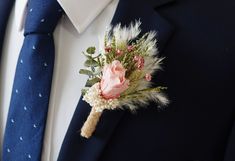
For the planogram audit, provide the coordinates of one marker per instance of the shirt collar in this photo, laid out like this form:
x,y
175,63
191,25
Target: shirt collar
x,y
82,12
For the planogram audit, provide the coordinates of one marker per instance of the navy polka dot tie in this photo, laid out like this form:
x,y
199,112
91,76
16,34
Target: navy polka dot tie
x,y
32,84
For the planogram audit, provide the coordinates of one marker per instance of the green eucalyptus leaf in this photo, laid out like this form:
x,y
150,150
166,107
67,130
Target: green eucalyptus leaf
x,y
91,63
91,82
91,50
86,72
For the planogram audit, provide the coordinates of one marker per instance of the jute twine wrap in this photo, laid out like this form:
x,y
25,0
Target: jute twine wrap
x,y
90,125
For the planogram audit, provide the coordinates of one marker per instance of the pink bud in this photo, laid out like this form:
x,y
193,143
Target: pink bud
x,y
130,48
148,77
136,58
139,61
108,49
119,52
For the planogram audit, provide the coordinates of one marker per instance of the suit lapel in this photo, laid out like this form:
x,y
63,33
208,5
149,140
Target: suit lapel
x,y
131,10
74,146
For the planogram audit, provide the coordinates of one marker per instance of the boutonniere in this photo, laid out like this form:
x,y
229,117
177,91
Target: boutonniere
x,y
120,76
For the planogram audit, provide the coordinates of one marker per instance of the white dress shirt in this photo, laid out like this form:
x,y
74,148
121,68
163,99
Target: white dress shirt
x,y
84,22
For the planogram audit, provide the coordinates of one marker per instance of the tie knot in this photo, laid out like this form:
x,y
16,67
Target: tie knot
x,y
42,16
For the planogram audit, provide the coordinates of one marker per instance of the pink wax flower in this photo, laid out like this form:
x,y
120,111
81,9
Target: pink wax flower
x,y
113,81
139,61
119,52
108,49
130,48
148,77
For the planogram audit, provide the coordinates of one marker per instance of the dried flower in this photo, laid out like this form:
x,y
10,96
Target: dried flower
x,y
130,48
139,61
119,52
108,49
148,77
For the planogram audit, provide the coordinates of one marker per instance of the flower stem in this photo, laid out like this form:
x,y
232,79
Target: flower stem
x,y
90,125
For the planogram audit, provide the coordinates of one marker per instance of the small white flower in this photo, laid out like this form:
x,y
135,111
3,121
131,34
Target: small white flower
x,y
94,98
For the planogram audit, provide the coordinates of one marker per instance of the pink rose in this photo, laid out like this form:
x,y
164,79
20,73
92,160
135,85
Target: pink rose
x,y
113,81
139,61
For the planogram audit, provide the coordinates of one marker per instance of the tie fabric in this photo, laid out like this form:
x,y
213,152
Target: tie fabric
x,y
27,114
5,9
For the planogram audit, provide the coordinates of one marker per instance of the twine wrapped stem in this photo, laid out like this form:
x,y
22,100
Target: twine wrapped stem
x,y
90,125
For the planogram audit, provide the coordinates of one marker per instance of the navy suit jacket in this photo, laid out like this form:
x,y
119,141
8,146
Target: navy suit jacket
x,y
198,40
5,9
